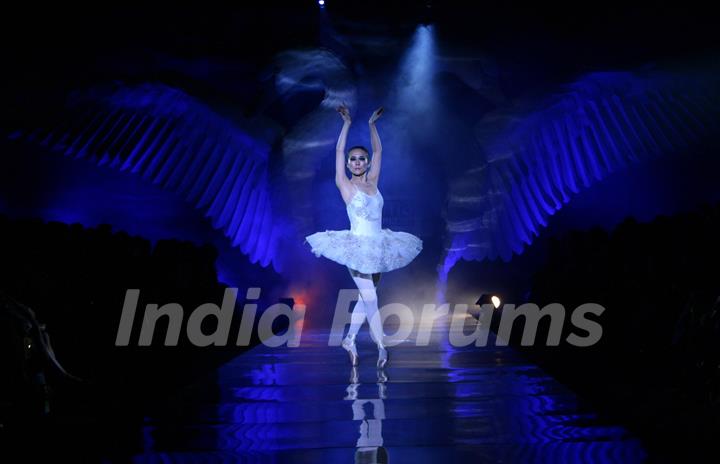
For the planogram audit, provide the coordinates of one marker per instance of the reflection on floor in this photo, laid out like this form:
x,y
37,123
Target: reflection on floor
x,y
434,403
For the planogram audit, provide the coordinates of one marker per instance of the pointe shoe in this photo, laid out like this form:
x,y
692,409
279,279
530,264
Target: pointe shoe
x,y
382,357
349,345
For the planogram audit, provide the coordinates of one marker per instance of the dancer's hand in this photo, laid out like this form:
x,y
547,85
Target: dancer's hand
x,y
376,115
345,113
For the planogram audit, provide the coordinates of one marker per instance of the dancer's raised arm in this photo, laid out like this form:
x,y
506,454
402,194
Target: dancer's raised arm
x,y
374,172
341,179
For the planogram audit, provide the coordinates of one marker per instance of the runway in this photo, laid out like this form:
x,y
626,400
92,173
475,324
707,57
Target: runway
x,y
434,403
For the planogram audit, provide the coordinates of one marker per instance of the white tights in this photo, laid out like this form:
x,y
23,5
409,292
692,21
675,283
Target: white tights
x,y
366,307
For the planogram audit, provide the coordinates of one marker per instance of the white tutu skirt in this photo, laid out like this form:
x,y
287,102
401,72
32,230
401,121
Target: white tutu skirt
x,y
368,254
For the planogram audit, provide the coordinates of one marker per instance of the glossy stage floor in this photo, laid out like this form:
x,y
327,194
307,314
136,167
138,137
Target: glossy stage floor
x,y
434,403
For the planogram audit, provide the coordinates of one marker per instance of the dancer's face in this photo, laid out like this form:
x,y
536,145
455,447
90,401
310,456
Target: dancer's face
x,y
358,162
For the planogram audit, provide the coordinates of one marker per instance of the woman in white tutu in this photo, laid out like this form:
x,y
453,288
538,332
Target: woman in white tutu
x,y
367,250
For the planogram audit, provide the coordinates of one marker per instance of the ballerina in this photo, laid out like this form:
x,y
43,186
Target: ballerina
x,y
367,250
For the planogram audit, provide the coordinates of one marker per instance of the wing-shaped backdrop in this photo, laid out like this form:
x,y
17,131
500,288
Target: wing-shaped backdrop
x,y
176,141
537,155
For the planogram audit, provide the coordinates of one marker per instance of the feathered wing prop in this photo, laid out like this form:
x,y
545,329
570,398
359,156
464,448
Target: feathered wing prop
x,y
173,140
538,156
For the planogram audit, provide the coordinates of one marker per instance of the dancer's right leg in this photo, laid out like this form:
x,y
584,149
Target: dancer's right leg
x,y
357,317
366,306
368,294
